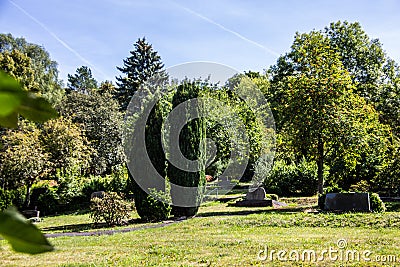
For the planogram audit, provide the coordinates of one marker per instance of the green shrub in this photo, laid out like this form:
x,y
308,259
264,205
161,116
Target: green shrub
x,y
70,192
157,205
118,180
94,184
377,204
111,208
48,203
361,186
37,191
115,182
57,197
149,207
292,179
61,196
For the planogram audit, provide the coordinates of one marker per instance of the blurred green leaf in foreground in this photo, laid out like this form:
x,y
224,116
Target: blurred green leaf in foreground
x,y
22,235
14,100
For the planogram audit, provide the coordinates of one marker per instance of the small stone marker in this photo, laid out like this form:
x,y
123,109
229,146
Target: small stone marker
x,y
257,194
347,202
99,194
255,198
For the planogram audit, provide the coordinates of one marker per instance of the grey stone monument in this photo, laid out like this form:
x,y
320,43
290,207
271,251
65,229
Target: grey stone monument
x,y
255,198
257,194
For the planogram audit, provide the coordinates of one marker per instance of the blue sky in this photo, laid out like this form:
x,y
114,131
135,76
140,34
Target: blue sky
x,y
245,35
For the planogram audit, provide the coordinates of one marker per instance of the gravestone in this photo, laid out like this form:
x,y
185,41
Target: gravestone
x,y
257,194
347,202
255,198
98,194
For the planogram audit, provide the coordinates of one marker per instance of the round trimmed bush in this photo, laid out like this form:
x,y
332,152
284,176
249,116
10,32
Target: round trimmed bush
x,y
110,208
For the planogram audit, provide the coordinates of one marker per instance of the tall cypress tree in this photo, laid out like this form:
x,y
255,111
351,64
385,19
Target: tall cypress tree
x,y
190,143
149,207
142,63
139,67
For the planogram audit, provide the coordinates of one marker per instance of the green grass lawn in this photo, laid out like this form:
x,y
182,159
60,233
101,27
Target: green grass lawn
x,y
224,236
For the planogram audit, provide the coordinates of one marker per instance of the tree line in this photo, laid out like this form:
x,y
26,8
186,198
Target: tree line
x,y
334,97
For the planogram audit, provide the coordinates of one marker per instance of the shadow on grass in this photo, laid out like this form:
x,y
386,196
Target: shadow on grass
x,y
72,212
86,226
248,211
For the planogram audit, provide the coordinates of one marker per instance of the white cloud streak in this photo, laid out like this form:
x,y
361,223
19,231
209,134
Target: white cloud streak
x,y
268,50
64,44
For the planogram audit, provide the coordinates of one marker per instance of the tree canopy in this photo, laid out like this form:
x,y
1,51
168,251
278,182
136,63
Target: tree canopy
x,y
316,104
98,116
82,81
42,69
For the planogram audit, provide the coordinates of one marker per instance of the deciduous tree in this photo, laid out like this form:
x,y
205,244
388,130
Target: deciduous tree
x,y
101,122
23,160
316,104
66,145
45,72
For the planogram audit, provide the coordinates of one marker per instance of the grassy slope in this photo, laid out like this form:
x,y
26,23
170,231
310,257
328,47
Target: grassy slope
x,y
221,236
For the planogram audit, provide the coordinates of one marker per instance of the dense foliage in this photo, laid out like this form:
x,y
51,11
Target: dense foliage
x,y
32,66
192,147
334,96
335,77
153,205
21,234
23,161
377,204
98,117
292,179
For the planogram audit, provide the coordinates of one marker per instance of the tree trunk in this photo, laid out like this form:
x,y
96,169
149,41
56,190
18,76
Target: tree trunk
x,y
28,195
320,164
